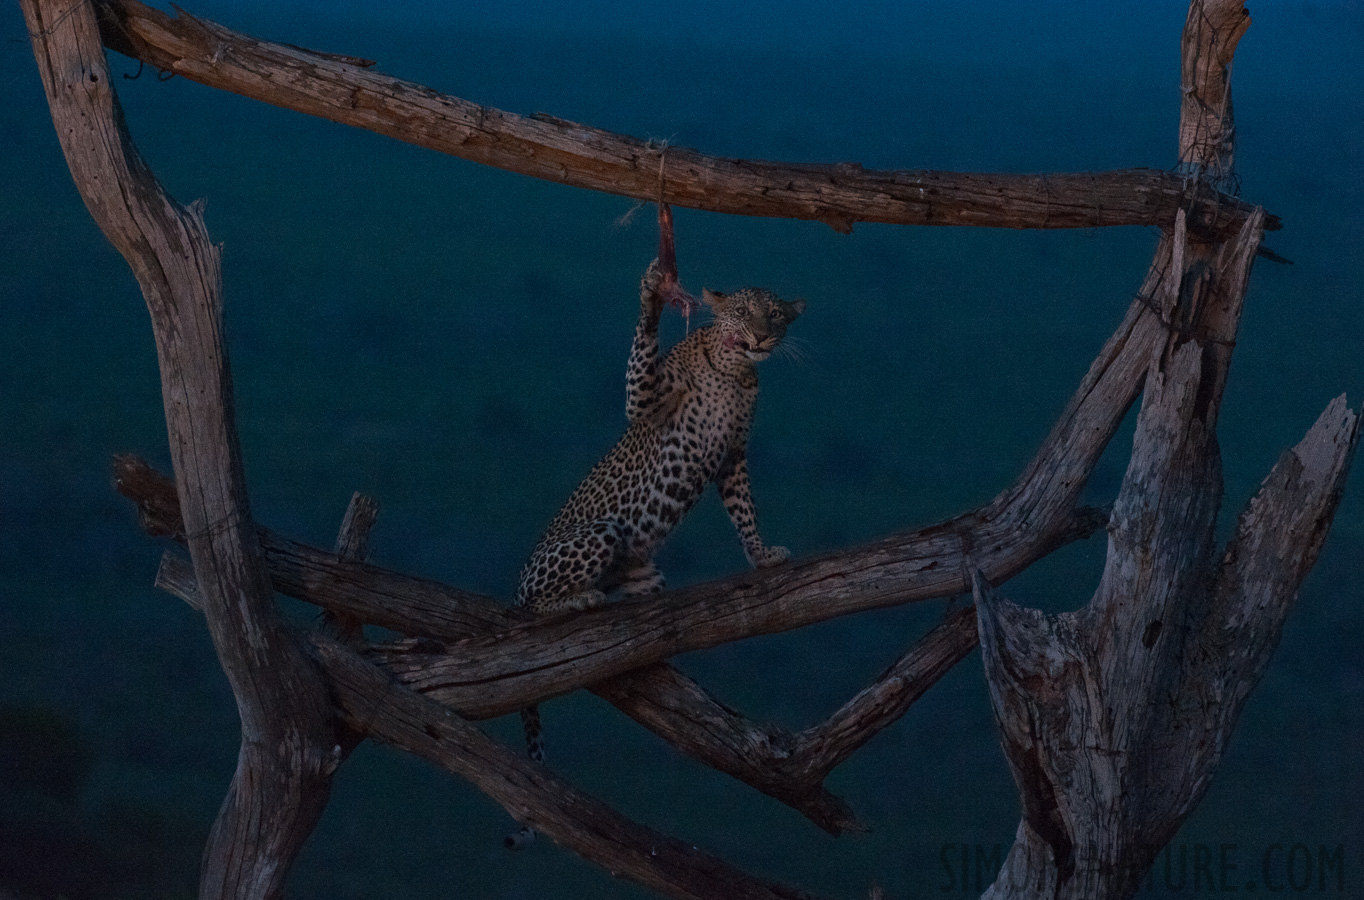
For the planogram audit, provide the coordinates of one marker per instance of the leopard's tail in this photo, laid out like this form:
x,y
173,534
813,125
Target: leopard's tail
x,y
535,749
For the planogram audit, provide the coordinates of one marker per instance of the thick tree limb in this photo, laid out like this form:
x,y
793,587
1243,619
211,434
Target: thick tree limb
x,y
492,675
1081,698
788,767
1105,780
282,781
659,697
1115,717
1207,130
566,152
373,704
785,766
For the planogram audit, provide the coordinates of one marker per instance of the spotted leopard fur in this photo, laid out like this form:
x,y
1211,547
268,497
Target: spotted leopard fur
x,y
690,414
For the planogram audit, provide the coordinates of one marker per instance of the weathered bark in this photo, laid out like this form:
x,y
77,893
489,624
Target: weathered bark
x,y
530,792
1114,718
352,545
334,87
282,781
429,609
788,767
371,703
1207,130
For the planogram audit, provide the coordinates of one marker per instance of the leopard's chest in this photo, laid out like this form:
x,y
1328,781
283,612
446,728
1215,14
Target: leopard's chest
x,y
680,456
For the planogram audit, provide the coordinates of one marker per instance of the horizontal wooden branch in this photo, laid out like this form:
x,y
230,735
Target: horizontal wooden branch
x,y
553,149
495,674
373,702
788,767
659,697
487,676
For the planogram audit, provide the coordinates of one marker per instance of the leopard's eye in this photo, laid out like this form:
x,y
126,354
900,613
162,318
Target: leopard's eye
x,y
774,314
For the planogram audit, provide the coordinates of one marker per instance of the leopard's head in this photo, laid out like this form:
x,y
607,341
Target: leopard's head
x,y
752,321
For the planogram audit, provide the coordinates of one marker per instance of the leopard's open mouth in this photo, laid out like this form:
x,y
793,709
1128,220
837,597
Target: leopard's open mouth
x,y
753,350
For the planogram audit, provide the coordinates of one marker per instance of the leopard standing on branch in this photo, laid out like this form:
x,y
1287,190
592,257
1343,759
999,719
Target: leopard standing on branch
x,y
690,415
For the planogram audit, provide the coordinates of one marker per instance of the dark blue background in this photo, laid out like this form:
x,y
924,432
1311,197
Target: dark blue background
x,y
452,339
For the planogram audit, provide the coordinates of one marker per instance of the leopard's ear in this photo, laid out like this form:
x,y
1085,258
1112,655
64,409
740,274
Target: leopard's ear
x,y
795,308
714,299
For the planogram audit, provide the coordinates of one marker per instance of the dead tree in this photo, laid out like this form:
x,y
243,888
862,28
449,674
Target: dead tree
x,y
1113,718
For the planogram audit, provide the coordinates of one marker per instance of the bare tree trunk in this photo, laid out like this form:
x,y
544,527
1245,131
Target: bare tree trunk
x,y
1114,718
282,780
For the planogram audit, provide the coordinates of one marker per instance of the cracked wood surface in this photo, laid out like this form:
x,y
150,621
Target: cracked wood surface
x,y
531,793
788,767
372,704
1114,718
333,87
282,779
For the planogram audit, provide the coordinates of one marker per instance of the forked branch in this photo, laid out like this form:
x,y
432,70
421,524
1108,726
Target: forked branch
x,y
371,703
1114,717
788,767
282,780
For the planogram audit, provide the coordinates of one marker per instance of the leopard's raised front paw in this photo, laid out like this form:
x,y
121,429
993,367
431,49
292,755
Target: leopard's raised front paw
x,y
771,556
648,285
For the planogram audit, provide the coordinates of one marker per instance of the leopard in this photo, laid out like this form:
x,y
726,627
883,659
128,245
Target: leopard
x,y
690,413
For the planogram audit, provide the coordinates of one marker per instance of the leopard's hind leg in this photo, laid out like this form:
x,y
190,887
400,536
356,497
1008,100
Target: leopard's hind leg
x,y
563,573
566,570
